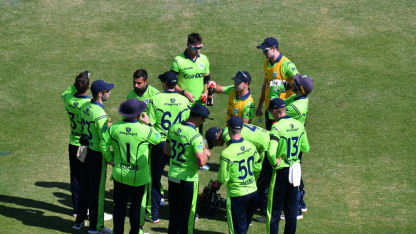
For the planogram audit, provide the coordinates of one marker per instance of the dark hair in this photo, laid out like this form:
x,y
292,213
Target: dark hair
x,y
140,73
234,131
194,115
194,38
170,86
82,82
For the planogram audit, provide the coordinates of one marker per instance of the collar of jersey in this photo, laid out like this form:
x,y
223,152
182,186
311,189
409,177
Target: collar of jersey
x,y
301,97
167,91
97,103
236,141
285,117
189,125
130,121
143,91
81,96
277,59
244,97
188,57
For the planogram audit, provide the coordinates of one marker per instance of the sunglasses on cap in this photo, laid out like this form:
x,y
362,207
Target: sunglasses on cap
x,y
195,48
265,50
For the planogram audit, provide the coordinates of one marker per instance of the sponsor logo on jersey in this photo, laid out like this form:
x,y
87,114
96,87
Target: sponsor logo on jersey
x,y
236,111
146,100
128,129
75,104
274,74
242,148
291,126
202,66
172,100
179,130
188,68
199,146
197,75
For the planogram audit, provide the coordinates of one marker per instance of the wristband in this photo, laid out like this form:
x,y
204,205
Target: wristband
x,y
183,92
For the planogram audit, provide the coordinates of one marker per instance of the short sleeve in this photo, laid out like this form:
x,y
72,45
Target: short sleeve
x,y
174,66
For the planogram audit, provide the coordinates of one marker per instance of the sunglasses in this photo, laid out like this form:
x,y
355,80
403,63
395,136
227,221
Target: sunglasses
x,y
195,48
265,50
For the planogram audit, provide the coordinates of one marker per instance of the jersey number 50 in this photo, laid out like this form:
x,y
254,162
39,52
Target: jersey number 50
x,y
246,170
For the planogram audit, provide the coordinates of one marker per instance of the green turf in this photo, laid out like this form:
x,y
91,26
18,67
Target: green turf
x,y
360,174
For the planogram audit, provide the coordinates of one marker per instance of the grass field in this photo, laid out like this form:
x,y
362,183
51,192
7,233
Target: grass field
x,y
360,174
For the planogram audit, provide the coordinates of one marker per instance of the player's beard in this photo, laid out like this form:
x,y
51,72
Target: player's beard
x,y
105,98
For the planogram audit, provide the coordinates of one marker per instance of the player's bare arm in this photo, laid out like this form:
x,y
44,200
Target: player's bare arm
x,y
166,149
261,101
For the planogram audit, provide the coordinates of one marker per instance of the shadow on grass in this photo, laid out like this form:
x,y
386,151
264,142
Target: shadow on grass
x,y
36,218
165,230
67,187
35,204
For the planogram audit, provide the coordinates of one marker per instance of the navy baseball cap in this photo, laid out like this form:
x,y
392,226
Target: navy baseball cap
x,y
305,83
276,103
242,76
268,43
211,136
235,122
200,110
169,77
131,108
100,85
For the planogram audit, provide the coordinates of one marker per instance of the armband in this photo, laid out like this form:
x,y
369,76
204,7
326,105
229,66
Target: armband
x,y
207,78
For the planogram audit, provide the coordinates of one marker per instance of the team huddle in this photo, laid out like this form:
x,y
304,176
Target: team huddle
x,y
260,167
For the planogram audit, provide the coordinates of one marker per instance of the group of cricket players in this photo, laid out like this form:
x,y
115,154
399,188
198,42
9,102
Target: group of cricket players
x,y
260,167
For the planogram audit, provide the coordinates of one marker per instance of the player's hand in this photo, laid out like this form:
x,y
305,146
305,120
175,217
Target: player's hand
x,y
278,162
211,82
204,97
143,117
189,96
207,152
109,122
258,111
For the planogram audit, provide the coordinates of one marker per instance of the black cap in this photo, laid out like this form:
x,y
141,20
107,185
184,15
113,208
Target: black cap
x,y
169,77
276,103
100,85
268,43
211,136
131,108
242,76
235,122
200,110
305,82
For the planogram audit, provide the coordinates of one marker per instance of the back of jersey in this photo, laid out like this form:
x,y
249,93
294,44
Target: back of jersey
x,y
130,142
292,139
239,166
185,141
168,108
73,105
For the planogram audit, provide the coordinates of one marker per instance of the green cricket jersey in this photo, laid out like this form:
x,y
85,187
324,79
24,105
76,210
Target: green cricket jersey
x,y
257,136
191,73
146,97
94,123
298,109
168,108
185,141
239,166
73,103
130,141
287,139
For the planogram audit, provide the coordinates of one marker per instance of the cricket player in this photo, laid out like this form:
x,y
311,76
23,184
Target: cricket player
x,y
192,69
168,108
287,140
74,97
240,101
142,90
239,166
276,67
184,145
94,123
298,109
130,141
260,138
